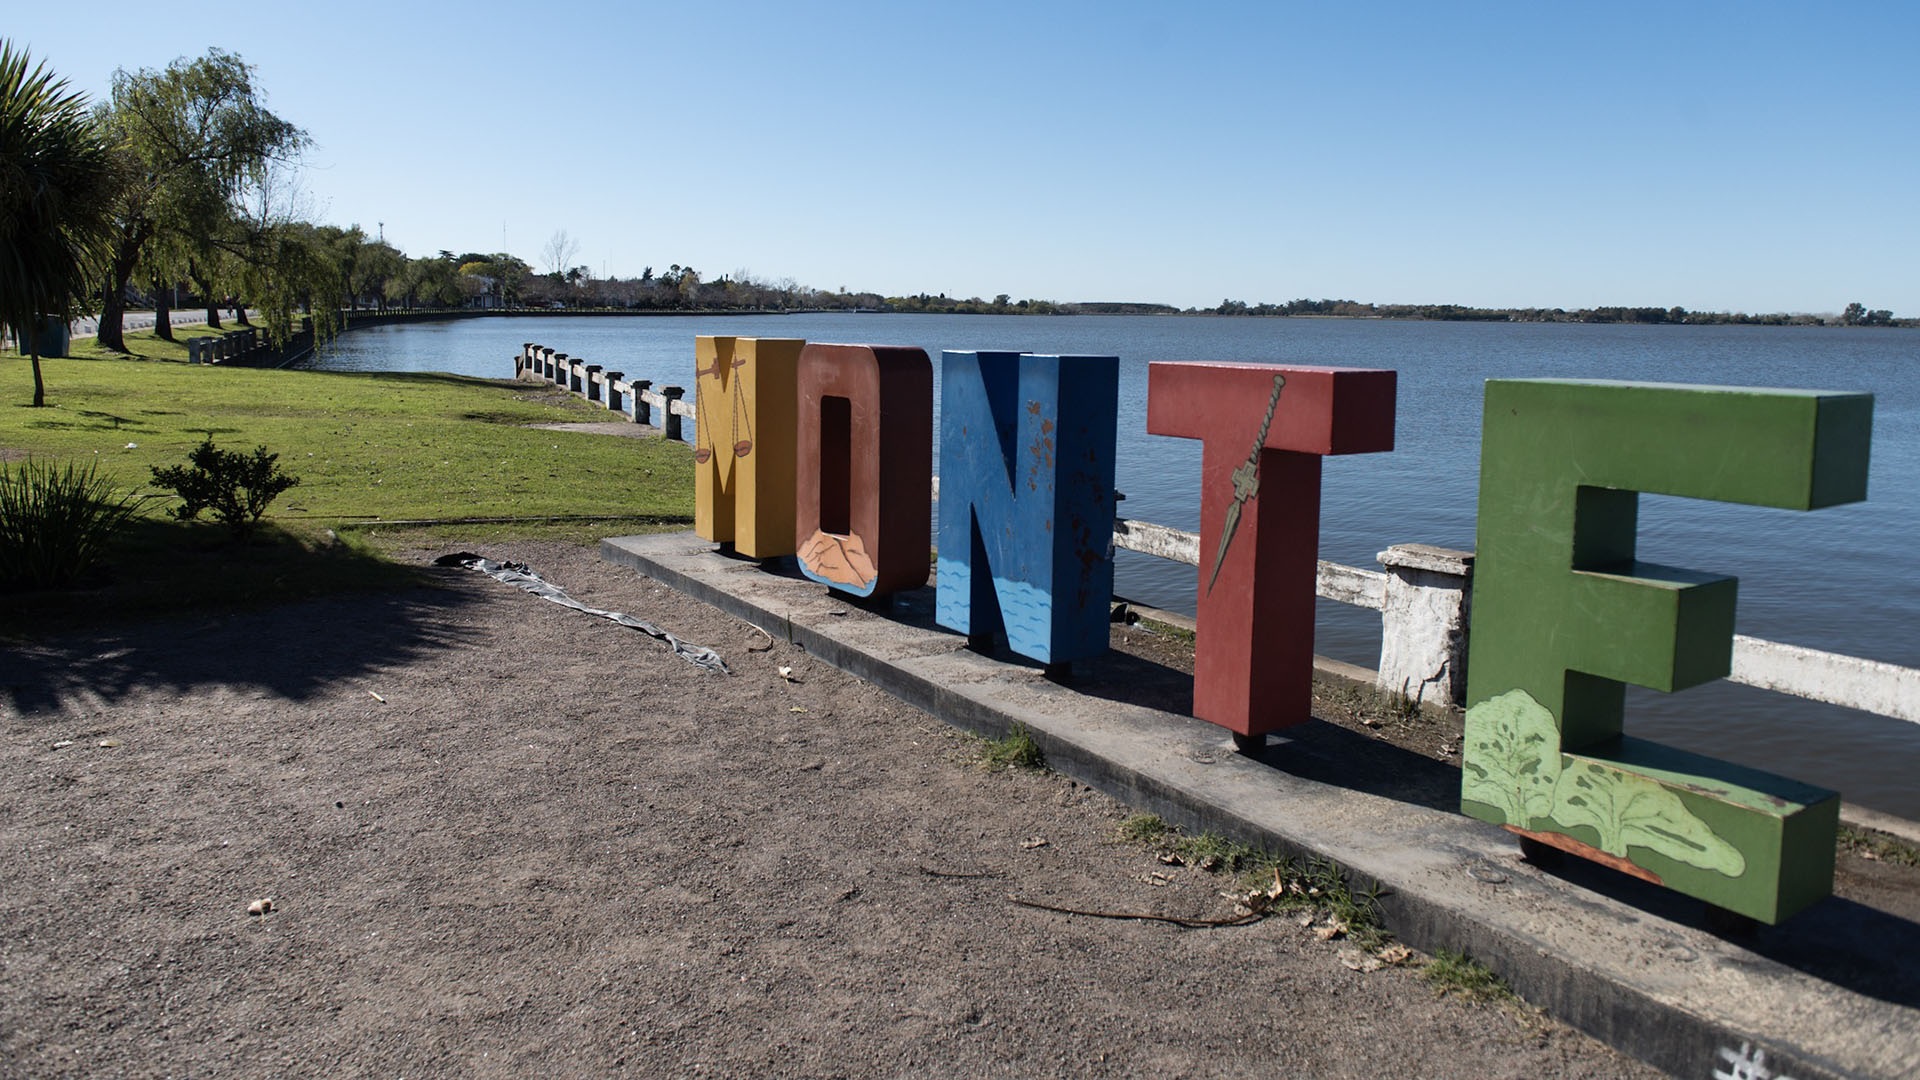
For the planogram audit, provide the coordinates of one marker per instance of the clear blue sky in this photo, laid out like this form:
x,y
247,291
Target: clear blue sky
x,y
1721,156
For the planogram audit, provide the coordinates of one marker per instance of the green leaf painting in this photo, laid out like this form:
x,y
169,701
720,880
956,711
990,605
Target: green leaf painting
x,y
1513,757
1628,810
1513,763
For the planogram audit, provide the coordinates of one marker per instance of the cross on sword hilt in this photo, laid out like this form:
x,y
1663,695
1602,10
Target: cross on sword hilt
x,y
1246,481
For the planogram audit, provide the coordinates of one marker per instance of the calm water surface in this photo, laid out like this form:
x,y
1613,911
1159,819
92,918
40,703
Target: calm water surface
x,y
1839,579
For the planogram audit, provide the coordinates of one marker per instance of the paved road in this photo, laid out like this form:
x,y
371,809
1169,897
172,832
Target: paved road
x,y
89,326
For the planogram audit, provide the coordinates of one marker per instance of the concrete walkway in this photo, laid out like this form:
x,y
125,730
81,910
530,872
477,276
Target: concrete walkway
x,y
1832,993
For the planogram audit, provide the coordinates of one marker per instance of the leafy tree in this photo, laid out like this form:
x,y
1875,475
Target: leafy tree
x,y
56,201
191,138
428,280
437,281
510,273
1858,315
376,265
500,275
287,266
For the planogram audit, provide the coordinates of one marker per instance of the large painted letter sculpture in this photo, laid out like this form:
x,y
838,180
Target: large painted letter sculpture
x,y
1563,617
1026,500
865,459
743,460
1264,429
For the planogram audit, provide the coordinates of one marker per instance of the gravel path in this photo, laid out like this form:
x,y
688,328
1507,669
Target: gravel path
x,y
502,838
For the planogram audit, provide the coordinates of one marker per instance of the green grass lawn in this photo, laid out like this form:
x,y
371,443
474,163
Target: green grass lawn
x,y
365,446
369,449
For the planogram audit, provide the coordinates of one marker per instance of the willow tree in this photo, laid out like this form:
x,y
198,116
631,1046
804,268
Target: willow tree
x,y
193,138
56,201
289,267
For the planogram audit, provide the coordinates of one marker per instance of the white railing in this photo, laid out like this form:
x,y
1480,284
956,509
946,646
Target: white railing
x,y
1422,592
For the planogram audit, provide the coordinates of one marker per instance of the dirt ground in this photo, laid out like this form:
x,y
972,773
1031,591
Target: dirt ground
x,y
503,838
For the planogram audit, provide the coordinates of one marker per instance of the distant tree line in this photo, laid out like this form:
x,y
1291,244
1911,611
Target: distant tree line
x,y
999,305
1855,314
477,279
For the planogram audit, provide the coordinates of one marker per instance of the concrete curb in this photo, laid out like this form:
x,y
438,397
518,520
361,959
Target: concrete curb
x,y
1830,994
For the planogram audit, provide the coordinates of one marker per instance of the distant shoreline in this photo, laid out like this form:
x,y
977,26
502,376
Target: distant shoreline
x,y
366,319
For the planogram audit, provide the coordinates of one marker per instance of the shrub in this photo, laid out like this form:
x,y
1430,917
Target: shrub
x,y
237,487
54,522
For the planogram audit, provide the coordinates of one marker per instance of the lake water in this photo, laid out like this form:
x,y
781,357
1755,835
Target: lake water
x,y
1840,579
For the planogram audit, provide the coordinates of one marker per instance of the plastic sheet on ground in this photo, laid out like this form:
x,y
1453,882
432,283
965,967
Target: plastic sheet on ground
x,y
522,576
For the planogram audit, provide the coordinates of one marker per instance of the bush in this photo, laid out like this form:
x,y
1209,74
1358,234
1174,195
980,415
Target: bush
x,y
54,522
237,487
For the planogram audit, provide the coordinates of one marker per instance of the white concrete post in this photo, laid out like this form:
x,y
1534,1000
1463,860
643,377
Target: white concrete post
x,y
1423,623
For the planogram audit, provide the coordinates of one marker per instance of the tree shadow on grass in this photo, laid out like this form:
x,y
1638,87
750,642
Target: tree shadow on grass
x,y
179,607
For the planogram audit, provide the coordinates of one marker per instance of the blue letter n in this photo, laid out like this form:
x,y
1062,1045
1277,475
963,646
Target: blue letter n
x,y
1026,500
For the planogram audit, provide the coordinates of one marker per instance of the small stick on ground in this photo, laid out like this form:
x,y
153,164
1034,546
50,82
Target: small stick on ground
x,y
1191,924
931,872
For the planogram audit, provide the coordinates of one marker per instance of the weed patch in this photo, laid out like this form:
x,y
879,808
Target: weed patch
x,y
1321,890
1208,851
1014,750
1455,974
1144,829
1269,883
1370,707
1878,846
1177,633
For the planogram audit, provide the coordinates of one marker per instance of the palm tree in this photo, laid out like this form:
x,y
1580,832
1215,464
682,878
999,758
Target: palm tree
x,y
56,206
